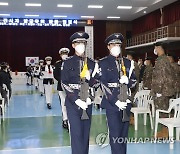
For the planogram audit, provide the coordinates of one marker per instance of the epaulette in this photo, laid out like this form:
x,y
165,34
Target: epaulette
x,y
69,58
91,59
58,61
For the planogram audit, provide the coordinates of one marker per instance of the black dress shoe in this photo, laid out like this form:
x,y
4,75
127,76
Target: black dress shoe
x,y
98,106
41,94
65,124
49,106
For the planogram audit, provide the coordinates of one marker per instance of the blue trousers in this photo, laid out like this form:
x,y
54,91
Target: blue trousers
x,y
118,131
79,130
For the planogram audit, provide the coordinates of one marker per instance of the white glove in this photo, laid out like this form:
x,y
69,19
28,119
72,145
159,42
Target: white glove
x,y
96,69
158,95
88,101
87,75
124,79
128,101
4,86
81,104
121,105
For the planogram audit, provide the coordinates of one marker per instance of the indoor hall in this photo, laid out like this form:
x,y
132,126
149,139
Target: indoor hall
x,y
38,76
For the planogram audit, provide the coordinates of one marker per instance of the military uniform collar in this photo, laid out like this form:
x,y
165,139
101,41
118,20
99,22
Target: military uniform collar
x,y
112,57
77,57
160,57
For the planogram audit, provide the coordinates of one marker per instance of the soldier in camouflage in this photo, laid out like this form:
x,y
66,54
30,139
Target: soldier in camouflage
x,y
162,79
147,76
176,70
162,83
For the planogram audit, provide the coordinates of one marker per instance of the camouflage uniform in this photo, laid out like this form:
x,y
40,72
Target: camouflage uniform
x,y
137,72
147,77
162,82
176,72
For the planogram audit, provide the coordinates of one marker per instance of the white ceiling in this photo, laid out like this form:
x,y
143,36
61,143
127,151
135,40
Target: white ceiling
x,y
17,8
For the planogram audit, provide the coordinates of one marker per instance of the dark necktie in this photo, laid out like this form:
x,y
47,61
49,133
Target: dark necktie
x,y
49,69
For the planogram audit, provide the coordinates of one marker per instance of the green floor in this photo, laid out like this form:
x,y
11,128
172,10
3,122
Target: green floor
x,y
18,133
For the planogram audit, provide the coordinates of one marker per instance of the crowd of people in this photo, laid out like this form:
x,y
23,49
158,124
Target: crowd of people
x,y
43,74
115,77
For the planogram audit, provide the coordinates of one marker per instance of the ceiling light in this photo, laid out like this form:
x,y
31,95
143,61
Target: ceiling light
x,y
4,14
124,7
157,1
140,9
95,6
31,15
87,16
59,16
144,12
3,3
113,17
32,4
64,5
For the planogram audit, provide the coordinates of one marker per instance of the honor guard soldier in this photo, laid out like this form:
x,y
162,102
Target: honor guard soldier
x,y
29,74
40,79
5,81
147,75
63,52
77,78
162,82
48,81
131,56
117,77
36,75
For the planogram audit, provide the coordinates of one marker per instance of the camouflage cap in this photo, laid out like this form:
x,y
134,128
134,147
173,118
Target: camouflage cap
x,y
148,58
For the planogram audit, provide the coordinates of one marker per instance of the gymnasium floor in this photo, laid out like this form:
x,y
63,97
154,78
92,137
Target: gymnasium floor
x,y
29,127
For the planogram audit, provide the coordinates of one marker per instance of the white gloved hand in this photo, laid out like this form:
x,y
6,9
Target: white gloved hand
x,y
158,95
128,101
96,69
121,105
81,104
87,75
4,86
88,101
124,79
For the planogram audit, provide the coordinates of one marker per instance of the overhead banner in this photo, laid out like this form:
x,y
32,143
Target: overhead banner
x,y
32,60
90,42
43,22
